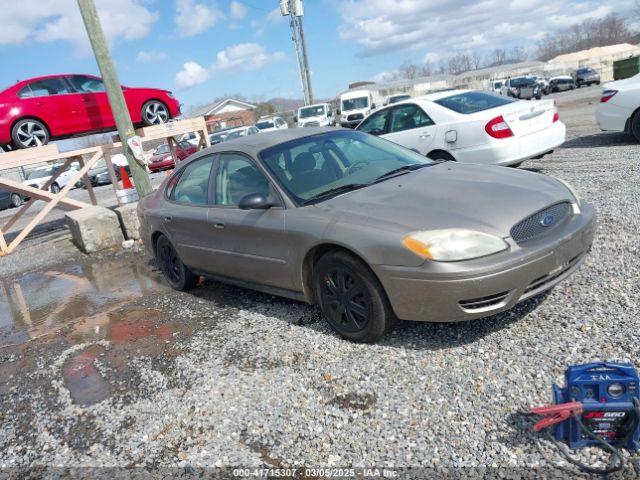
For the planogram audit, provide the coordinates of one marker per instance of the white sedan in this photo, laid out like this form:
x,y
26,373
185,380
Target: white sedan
x,y
619,107
470,126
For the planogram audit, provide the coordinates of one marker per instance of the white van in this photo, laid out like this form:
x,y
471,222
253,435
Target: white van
x,y
318,115
354,107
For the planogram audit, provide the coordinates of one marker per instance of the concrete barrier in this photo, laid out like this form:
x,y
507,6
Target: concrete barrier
x,y
94,229
128,216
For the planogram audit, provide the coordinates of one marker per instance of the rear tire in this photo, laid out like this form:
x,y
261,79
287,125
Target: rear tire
x,y
175,272
351,298
635,126
441,157
29,132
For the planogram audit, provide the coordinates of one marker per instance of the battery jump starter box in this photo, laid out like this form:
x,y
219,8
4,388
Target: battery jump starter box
x,y
607,392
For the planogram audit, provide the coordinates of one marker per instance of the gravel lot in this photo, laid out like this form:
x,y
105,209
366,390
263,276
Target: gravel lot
x,y
225,377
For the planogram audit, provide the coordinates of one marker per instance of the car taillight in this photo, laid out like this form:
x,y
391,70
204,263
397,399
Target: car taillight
x,y
607,95
498,128
556,114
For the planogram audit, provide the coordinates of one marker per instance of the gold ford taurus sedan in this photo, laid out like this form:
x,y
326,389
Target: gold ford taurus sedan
x,y
370,231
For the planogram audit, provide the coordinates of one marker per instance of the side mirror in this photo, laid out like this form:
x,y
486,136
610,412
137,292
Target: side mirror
x,y
373,106
295,119
254,201
338,112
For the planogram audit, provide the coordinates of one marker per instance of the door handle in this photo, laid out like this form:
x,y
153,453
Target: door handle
x,y
425,135
218,225
168,218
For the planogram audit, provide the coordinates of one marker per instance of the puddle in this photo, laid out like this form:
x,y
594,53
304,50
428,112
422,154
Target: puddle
x,y
40,303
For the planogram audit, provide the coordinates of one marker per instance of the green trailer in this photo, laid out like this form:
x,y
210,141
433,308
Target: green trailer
x,y
626,68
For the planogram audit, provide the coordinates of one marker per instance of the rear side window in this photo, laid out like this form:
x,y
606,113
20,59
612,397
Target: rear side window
x,y
193,185
472,102
43,88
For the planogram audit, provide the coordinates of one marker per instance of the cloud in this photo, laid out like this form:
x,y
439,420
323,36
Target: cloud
x,y
194,18
245,56
60,20
443,26
151,56
238,10
192,74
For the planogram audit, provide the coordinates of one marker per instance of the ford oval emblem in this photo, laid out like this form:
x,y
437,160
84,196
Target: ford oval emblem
x,y
547,220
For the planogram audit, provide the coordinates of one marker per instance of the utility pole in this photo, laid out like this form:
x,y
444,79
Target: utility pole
x,y
293,8
114,93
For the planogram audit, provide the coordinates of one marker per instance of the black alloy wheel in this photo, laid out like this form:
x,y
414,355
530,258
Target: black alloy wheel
x,y
351,298
175,272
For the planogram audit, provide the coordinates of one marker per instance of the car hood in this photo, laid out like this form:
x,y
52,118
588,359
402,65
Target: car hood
x,y
160,158
489,199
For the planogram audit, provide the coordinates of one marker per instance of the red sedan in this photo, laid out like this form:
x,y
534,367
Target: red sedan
x,y
162,159
34,111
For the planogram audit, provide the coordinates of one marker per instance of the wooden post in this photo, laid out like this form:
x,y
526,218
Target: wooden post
x,y
114,93
3,245
87,182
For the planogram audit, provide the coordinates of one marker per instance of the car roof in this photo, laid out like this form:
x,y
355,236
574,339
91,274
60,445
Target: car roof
x,y
432,97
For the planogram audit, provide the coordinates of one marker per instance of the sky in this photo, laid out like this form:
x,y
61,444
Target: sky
x,y
205,49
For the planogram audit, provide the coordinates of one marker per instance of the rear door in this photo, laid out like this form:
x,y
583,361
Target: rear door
x,y
410,126
186,218
253,244
51,100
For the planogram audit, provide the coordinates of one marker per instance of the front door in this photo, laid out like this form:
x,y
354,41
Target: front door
x,y
254,242
94,112
411,127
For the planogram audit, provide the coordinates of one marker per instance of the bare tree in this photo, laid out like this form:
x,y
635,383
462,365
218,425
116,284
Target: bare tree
x,y
476,60
409,70
517,54
497,57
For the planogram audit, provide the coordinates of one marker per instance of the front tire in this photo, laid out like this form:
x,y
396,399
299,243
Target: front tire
x,y
351,298
154,112
55,188
175,272
29,132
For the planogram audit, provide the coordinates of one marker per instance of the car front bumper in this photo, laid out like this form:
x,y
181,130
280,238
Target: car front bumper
x,y
513,150
457,291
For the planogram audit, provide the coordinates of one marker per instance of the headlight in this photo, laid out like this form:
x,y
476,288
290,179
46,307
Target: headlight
x,y
576,204
453,244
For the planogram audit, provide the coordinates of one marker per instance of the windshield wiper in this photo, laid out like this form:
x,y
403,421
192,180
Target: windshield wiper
x,y
332,192
400,171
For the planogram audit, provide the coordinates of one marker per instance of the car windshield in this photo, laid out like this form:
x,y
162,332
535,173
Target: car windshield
x,y
522,82
311,111
41,173
217,137
236,134
162,149
472,102
311,168
355,103
399,98
265,124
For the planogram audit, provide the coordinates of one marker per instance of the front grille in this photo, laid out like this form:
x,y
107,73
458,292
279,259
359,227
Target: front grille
x,y
482,303
355,116
541,282
541,222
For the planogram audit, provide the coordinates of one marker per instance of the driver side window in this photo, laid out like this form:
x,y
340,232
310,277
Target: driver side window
x,y
375,124
236,178
407,117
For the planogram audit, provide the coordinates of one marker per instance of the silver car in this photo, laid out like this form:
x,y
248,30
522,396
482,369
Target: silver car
x,y
368,230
